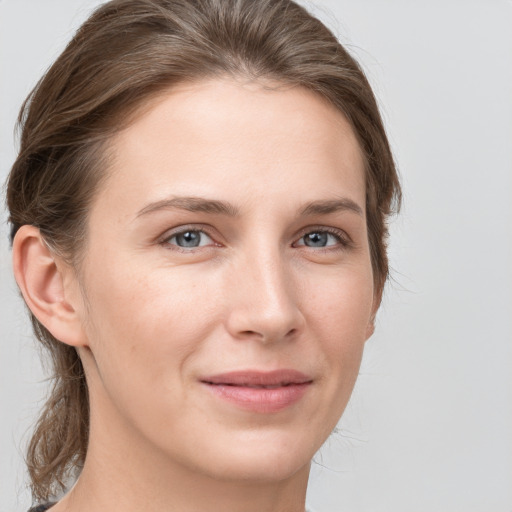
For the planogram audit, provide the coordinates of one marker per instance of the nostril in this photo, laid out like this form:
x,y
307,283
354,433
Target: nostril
x,y
251,333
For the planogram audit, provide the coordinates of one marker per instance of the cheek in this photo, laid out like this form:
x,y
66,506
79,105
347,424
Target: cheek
x,y
340,314
144,324
338,307
143,332
143,310
341,303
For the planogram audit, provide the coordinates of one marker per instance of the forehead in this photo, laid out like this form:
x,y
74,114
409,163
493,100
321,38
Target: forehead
x,y
245,141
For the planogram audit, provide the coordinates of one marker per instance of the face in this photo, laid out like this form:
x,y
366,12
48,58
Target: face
x,y
227,279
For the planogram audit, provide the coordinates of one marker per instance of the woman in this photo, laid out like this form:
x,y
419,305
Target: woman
x,y
198,217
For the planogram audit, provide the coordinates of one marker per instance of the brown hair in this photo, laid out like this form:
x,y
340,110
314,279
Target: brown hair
x,y
126,52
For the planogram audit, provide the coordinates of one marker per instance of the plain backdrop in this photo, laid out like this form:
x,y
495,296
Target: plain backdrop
x,y
429,427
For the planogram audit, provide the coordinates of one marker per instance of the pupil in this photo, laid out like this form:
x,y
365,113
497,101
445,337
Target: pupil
x,y
316,239
188,239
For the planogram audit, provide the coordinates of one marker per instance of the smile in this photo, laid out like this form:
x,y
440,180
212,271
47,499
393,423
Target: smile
x,y
261,392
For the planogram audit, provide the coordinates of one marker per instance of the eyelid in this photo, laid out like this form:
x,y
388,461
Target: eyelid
x,y
201,228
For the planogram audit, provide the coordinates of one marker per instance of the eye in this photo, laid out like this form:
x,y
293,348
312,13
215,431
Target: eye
x,y
189,239
321,239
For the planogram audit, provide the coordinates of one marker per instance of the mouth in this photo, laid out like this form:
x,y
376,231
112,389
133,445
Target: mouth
x,y
256,391
259,379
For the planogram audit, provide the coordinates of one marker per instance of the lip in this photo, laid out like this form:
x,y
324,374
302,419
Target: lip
x,y
259,391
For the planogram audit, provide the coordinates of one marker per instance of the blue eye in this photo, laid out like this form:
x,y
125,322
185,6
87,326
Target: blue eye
x,y
190,239
320,239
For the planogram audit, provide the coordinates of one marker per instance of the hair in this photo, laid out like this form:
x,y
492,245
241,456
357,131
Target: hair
x,y
127,52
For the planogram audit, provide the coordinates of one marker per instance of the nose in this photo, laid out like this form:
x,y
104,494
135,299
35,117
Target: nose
x,y
264,303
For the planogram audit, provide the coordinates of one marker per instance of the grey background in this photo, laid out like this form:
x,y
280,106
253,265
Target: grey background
x,y
429,427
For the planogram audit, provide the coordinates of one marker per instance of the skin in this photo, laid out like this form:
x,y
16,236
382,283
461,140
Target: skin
x,y
150,318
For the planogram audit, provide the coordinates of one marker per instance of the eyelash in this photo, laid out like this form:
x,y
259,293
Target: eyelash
x,y
342,238
182,230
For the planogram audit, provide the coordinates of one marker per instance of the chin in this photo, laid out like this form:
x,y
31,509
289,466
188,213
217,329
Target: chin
x,y
264,468
257,457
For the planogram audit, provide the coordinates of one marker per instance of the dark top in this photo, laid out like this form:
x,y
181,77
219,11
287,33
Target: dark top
x,y
41,508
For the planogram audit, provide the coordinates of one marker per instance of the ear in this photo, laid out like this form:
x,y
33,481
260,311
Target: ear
x,y
370,328
48,286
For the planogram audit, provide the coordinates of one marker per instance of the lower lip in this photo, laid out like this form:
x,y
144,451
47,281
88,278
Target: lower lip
x,y
262,400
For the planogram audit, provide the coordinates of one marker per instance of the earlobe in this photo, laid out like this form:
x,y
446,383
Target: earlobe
x,y
40,278
370,329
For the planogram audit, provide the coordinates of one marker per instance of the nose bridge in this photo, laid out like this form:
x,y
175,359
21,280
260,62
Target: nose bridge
x,y
271,280
265,300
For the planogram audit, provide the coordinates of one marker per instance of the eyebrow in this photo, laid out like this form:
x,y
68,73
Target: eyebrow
x,y
191,204
214,206
331,206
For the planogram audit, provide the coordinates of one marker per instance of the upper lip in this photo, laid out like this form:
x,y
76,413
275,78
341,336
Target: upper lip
x,y
283,377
